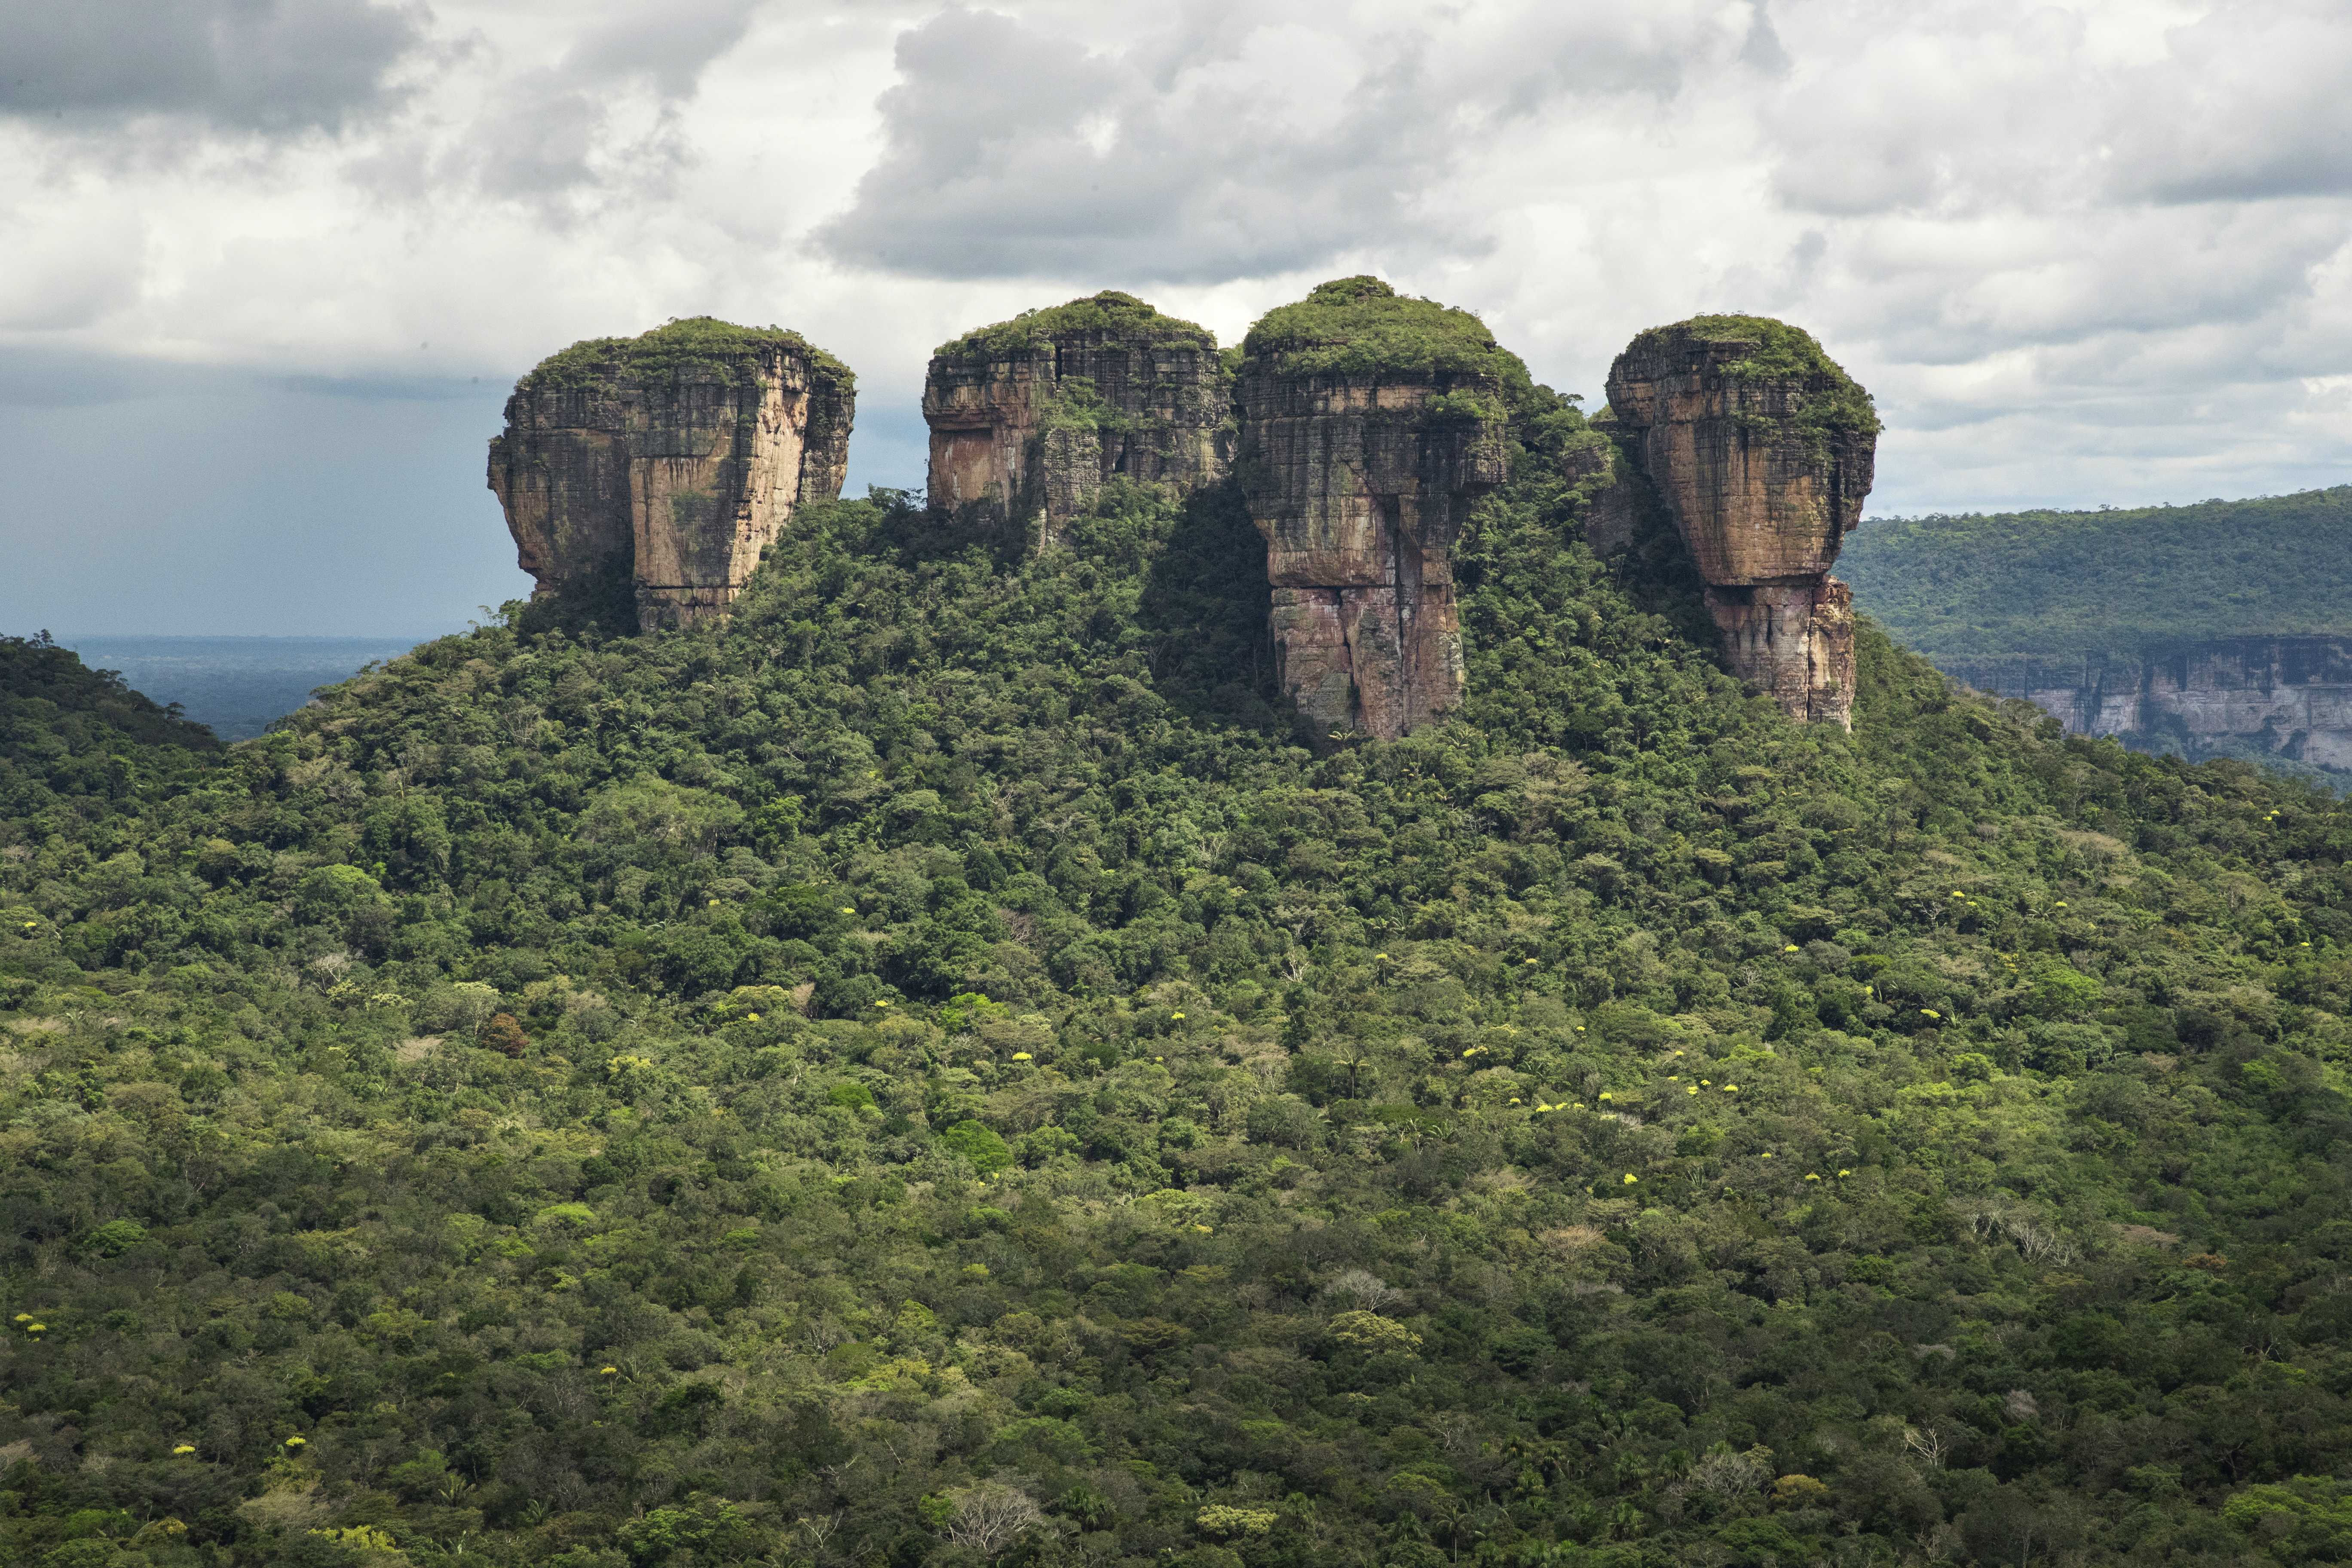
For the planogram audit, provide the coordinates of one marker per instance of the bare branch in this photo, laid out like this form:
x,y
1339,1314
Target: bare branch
x,y
990,1516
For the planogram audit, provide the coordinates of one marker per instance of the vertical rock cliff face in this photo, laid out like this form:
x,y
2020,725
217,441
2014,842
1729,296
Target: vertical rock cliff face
x,y
2254,697
676,456
1371,425
1761,450
1031,417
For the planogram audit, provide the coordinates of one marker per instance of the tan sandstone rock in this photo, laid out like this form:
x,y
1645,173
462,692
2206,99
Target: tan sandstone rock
x,y
1761,451
676,457
1794,641
1371,425
1031,417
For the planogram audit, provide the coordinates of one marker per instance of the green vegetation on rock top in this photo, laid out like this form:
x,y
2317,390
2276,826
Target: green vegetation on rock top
x,y
1129,322
2123,580
686,345
1361,326
1780,348
1782,351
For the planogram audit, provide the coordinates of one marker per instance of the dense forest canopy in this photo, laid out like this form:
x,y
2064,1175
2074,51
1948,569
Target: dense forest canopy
x,y
91,711
2123,580
938,1069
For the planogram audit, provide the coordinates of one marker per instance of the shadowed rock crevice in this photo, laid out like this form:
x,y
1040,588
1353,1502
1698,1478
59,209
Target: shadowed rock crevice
x,y
1031,417
1761,450
1370,425
682,453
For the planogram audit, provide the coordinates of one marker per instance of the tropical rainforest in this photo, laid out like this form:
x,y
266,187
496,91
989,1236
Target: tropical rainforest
x,y
941,1071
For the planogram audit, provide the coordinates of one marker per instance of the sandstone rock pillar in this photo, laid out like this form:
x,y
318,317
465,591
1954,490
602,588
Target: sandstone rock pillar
x,y
983,415
676,456
1371,425
1031,417
1761,450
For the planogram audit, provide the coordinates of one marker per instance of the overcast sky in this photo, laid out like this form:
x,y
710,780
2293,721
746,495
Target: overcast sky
x,y
269,266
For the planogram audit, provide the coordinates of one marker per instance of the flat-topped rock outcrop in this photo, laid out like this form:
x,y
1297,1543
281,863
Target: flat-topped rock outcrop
x,y
678,456
1761,450
1371,425
1031,417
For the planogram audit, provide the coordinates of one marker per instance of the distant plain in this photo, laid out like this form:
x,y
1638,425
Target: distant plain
x,y
235,685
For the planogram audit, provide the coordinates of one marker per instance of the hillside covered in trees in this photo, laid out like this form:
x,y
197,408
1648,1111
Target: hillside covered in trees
x,y
2213,631
939,1069
2123,579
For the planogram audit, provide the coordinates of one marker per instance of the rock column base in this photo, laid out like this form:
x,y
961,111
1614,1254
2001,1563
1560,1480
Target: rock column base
x,y
1794,641
1359,658
683,605
1311,661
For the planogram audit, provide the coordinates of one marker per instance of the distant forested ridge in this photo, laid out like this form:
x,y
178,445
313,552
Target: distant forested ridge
x,y
86,723
2122,581
2218,630
936,1071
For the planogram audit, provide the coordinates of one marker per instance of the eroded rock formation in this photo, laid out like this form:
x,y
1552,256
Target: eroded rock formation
x,y
1371,425
674,457
1761,449
1031,417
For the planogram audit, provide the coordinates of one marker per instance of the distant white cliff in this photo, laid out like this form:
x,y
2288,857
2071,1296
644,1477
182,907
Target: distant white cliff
x,y
2285,697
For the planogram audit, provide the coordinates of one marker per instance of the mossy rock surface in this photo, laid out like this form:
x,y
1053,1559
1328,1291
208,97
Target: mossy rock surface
x,y
1361,326
1778,350
1076,403
686,346
1127,321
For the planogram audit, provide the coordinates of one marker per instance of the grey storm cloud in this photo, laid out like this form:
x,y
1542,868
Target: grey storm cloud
x,y
1243,141
1011,151
550,136
2182,131
669,47
269,65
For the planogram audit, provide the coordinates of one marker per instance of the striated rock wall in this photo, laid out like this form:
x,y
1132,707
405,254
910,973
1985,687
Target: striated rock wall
x,y
1030,419
2288,697
1794,641
677,456
983,417
1610,493
1360,465
1360,494
1761,451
